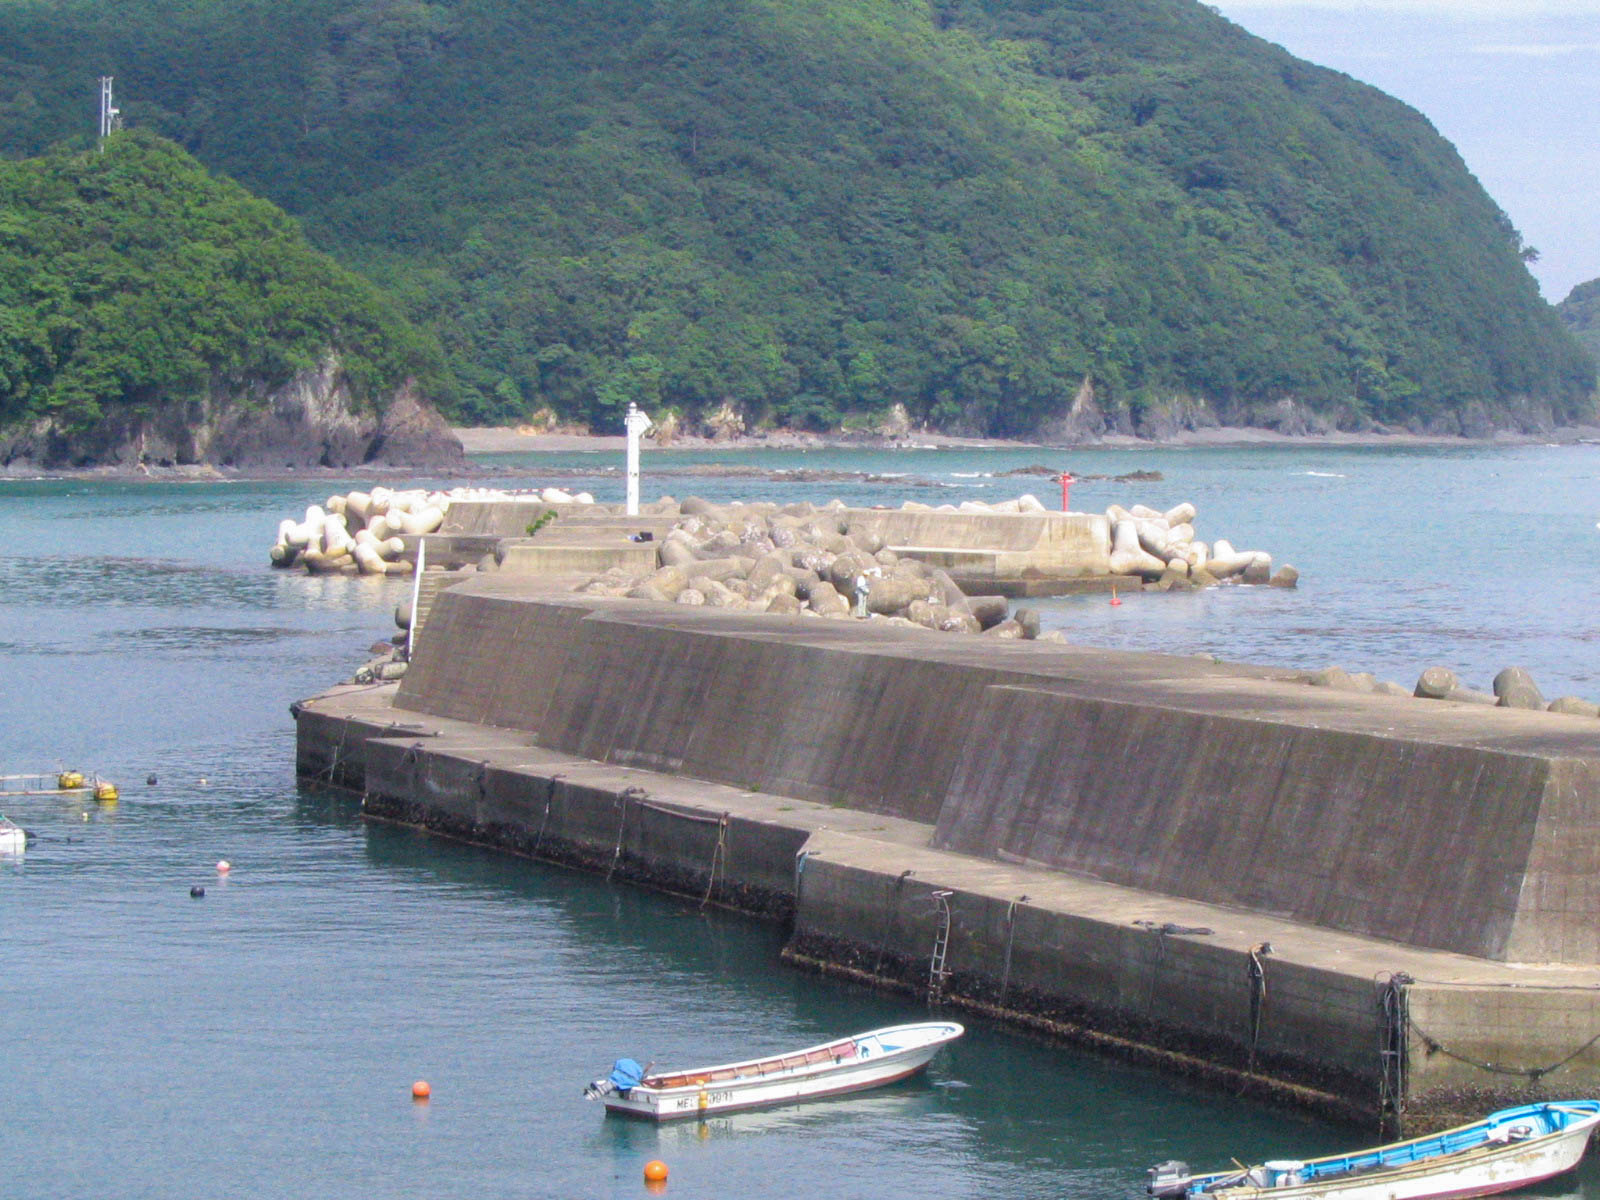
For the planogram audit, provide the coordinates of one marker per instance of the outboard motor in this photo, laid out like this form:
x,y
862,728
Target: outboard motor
x,y
625,1074
1170,1178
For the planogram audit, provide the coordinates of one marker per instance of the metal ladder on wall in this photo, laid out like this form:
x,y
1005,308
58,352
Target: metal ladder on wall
x,y
937,973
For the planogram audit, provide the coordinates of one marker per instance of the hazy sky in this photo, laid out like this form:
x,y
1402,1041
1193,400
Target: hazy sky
x,y
1515,84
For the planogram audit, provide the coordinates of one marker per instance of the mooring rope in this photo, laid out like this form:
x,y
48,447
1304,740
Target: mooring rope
x,y
549,795
1434,1046
1258,997
1011,929
717,857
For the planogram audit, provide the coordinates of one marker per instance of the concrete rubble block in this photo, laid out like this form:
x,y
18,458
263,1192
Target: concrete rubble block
x,y
1029,503
959,621
925,613
1141,512
1007,630
695,506
1028,618
649,591
676,550
825,600
767,568
784,605
781,585
1573,706
1285,577
1466,695
718,568
1128,557
670,581
719,545
1182,514
1436,683
988,611
1154,535
809,558
949,592
691,596
1226,562
720,596
887,557
1259,569
891,595
847,568
1514,688
1175,576
804,581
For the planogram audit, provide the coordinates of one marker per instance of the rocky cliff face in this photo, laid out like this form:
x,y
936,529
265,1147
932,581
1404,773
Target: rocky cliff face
x,y
312,421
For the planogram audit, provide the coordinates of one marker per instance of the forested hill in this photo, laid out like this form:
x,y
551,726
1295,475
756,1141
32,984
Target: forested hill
x,y
132,280
805,207
1581,311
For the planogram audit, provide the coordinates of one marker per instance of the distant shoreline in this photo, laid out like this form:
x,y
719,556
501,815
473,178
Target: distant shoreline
x,y
506,440
509,441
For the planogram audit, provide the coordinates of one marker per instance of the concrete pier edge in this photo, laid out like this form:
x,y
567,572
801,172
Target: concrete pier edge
x,y
483,743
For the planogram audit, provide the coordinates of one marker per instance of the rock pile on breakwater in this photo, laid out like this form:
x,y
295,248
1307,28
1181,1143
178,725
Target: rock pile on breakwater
x,y
802,560
1158,546
1162,547
363,533
1513,687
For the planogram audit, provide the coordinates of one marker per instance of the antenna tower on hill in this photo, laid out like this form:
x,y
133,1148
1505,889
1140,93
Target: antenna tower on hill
x,y
110,116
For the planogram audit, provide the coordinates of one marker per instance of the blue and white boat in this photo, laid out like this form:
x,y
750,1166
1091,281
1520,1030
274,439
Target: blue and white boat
x,y
1506,1150
849,1064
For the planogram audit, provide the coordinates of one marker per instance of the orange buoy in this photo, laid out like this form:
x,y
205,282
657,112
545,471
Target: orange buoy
x,y
655,1171
420,1090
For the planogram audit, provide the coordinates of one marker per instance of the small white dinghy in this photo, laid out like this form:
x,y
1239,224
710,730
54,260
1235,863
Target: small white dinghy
x,y
847,1065
1506,1150
13,837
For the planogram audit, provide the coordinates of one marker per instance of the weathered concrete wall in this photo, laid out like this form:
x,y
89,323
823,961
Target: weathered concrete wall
x,y
1011,545
1424,843
1372,815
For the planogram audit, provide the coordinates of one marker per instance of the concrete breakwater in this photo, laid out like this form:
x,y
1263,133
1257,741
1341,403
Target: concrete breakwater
x,y
1366,903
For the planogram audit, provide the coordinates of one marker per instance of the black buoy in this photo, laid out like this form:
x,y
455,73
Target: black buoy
x,y
149,781
197,891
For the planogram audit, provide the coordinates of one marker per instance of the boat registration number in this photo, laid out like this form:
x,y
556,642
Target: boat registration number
x,y
703,1100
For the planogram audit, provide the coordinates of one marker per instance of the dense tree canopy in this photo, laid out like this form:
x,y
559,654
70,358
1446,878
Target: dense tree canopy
x,y
808,207
1581,311
131,276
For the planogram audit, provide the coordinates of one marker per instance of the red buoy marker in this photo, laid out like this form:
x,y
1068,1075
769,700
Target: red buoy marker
x,y
420,1090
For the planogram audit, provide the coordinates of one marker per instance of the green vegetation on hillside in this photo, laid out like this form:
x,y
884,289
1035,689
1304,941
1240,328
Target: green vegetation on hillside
x,y
1581,311
808,207
132,277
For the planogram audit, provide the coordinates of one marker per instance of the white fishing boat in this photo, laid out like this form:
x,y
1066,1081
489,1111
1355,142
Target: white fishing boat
x,y
849,1064
1506,1150
13,838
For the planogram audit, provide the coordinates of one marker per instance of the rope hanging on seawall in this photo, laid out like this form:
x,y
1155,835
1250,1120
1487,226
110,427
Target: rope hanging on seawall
x,y
717,856
1434,1046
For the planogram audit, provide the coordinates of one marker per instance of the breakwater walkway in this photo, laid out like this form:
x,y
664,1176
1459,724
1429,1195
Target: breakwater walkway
x,y
1368,903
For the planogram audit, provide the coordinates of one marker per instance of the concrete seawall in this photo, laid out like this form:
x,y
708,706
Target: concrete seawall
x,y
1118,835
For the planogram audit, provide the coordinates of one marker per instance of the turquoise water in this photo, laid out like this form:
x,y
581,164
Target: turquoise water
x,y
262,1040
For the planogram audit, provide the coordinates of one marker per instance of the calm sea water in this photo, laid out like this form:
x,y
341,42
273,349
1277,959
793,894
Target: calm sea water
x,y
261,1041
